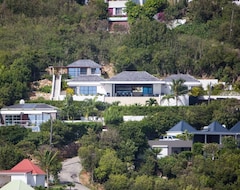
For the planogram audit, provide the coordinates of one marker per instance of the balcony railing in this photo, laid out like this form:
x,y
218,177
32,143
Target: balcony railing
x,y
34,125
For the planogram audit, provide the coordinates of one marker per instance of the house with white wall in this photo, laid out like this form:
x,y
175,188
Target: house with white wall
x,y
127,87
28,115
117,15
27,172
213,133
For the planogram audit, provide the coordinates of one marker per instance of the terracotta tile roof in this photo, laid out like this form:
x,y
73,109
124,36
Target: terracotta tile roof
x,y
26,166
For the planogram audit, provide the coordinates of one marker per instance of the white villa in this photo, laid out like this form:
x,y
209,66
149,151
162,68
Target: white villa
x,y
127,87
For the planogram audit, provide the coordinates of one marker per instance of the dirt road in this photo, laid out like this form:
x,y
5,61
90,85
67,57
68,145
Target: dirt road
x,y
70,173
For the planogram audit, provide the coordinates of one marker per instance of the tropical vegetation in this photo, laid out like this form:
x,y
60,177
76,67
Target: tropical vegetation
x,y
37,34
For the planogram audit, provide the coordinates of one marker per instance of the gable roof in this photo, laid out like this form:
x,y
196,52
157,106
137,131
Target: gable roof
x,y
16,185
216,127
84,63
27,166
186,77
182,126
236,128
134,76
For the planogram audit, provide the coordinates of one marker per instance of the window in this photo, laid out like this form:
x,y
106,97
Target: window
x,y
12,119
93,70
73,72
147,90
119,11
88,90
83,71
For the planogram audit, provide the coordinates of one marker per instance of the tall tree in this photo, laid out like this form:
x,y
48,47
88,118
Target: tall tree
x,y
48,160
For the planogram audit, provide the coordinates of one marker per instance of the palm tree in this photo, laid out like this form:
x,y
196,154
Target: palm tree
x,y
47,159
90,107
167,97
68,104
151,102
178,89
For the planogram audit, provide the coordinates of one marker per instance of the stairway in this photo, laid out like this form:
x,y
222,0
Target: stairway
x,y
56,87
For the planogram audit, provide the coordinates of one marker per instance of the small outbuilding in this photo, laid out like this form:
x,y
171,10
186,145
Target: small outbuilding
x,y
27,172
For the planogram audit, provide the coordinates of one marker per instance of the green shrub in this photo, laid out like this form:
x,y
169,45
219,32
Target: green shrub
x,y
46,89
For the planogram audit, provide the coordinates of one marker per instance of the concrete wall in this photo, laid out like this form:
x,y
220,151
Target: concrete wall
x,y
116,4
4,180
20,177
40,180
183,101
133,118
206,82
130,100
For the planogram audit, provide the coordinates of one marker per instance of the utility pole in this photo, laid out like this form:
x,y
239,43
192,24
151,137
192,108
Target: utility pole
x,y
231,24
209,92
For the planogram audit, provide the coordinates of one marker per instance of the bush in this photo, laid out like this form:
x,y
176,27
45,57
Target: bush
x,y
217,89
46,89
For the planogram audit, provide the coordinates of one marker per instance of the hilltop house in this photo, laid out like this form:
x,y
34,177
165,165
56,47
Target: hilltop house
x,y
117,14
29,115
27,172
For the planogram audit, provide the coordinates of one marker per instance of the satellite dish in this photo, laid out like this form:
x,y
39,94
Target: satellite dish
x,y
22,101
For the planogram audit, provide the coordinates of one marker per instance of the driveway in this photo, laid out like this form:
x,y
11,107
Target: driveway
x,y
70,173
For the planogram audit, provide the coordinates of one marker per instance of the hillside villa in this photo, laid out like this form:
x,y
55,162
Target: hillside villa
x,y
127,87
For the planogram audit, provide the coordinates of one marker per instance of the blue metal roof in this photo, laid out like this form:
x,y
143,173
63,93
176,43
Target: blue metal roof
x,y
216,127
236,128
182,126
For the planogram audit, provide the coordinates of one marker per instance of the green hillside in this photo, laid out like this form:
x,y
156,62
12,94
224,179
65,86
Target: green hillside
x,y
38,33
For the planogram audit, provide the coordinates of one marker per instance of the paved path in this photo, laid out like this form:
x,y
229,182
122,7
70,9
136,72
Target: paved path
x,y
70,173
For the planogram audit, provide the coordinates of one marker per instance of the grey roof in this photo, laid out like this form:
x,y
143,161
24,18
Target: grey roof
x,y
236,128
84,63
134,76
182,126
88,78
216,127
29,106
186,77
